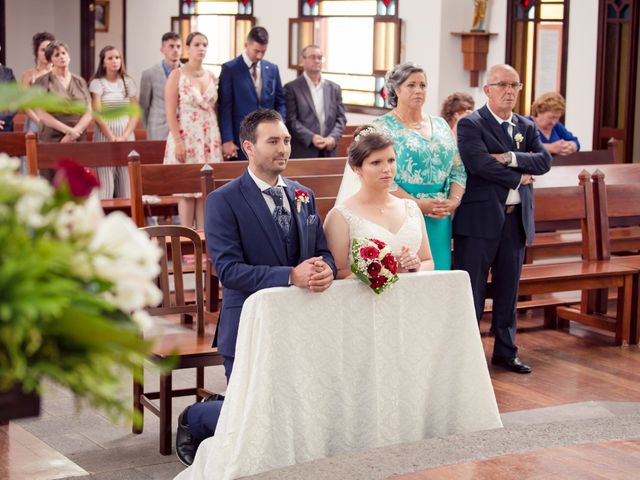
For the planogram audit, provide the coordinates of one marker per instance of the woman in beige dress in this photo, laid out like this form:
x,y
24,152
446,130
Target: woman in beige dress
x,y
63,127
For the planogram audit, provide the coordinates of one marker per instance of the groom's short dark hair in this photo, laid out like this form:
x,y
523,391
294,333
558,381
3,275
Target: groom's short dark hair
x,y
249,125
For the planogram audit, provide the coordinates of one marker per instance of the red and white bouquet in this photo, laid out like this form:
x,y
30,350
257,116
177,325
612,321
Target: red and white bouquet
x,y
373,263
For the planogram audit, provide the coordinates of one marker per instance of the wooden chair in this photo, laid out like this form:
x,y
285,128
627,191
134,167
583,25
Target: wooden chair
x,y
617,201
13,143
166,180
189,348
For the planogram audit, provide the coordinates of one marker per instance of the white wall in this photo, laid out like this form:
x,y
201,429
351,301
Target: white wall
x,y
146,23
114,35
26,17
581,70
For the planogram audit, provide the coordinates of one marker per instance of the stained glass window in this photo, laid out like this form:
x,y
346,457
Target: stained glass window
x,y
226,24
358,67
537,36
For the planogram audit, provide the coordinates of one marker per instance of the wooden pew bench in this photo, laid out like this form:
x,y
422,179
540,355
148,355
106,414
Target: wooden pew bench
x,y
559,239
614,201
99,154
594,157
13,144
589,274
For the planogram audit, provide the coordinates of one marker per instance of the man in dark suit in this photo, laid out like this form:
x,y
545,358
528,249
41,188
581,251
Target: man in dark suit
x,y
258,237
315,113
501,151
247,83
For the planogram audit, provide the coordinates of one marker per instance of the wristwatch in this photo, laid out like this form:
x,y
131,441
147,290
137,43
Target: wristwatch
x,y
507,159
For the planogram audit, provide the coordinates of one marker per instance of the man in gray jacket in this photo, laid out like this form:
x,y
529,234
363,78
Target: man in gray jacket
x,y
152,84
315,113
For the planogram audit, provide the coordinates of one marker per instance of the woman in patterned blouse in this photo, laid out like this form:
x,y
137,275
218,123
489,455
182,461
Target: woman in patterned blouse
x,y
429,169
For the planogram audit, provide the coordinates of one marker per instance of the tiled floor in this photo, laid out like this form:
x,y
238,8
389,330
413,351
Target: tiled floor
x,y
71,441
27,457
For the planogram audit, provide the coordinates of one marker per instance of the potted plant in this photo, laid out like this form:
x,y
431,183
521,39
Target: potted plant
x,y
73,285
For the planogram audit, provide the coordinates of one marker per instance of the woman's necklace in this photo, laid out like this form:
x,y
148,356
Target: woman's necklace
x,y
410,124
198,73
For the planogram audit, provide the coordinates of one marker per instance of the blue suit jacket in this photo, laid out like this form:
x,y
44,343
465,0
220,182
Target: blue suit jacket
x,y
237,96
247,250
481,212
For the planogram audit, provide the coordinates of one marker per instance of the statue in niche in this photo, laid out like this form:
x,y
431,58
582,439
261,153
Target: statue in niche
x,y
479,15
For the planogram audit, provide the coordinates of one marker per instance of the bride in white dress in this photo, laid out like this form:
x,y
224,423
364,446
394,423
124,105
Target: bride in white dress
x,y
373,212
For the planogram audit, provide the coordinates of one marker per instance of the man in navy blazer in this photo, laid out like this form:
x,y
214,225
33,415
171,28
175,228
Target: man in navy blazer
x,y
501,152
258,236
247,83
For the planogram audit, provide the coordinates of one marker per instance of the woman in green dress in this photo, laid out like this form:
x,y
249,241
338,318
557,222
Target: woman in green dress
x,y
429,169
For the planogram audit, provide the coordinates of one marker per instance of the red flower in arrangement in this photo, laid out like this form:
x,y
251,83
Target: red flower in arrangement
x,y
369,252
78,179
380,244
377,282
390,263
374,269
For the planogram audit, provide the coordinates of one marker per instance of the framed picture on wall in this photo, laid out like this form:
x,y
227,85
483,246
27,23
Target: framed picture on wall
x,y
102,16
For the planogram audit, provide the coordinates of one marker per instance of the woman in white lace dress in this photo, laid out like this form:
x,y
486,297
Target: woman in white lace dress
x,y
373,212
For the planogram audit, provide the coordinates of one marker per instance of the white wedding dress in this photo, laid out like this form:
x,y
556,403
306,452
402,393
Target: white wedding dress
x,y
409,234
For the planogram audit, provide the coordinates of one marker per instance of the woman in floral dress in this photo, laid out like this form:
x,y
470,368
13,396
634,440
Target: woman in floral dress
x,y
194,137
429,169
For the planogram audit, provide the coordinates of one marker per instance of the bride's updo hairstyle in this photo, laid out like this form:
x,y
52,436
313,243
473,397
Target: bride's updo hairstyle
x,y
366,140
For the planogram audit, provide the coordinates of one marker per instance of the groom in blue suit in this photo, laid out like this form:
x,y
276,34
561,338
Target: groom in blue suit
x,y
247,82
501,152
258,236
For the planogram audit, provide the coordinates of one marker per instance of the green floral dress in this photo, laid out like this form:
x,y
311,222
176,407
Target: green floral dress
x,y
425,169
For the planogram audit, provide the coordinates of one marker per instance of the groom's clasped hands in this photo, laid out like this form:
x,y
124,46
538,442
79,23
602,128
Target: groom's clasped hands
x,y
313,274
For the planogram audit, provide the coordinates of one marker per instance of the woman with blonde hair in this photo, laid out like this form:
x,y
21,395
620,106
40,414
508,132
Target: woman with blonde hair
x,y
546,112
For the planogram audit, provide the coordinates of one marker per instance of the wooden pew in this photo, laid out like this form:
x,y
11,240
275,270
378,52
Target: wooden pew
x,y
562,238
13,144
594,157
617,201
343,145
585,275
90,154
322,175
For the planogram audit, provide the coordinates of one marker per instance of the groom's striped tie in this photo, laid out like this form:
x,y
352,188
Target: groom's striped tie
x,y
281,215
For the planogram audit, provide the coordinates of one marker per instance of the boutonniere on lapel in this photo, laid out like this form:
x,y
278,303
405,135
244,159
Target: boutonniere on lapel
x,y
301,197
518,138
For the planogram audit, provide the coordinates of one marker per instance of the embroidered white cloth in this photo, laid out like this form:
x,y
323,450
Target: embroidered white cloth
x,y
320,374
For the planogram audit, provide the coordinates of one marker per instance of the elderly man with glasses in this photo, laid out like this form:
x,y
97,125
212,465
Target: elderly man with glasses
x,y
501,152
315,113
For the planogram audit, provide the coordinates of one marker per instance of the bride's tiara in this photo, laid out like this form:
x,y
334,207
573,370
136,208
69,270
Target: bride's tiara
x,y
363,133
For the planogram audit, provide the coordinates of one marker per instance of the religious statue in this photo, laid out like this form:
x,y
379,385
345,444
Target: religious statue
x,y
479,15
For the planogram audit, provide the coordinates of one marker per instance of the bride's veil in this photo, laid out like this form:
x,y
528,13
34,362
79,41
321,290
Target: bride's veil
x,y
349,186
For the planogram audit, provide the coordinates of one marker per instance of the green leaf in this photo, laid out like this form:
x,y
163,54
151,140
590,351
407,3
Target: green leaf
x,y
15,98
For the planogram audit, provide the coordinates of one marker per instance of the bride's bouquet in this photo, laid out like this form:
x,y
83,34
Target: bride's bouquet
x,y
373,263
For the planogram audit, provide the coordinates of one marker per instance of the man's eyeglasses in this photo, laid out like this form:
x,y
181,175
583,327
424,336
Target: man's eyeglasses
x,y
315,57
504,85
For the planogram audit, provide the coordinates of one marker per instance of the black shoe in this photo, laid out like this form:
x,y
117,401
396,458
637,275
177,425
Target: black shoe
x,y
185,445
213,398
514,364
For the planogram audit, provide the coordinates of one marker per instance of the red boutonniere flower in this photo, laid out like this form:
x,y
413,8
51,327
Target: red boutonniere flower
x,y
301,197
78,179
